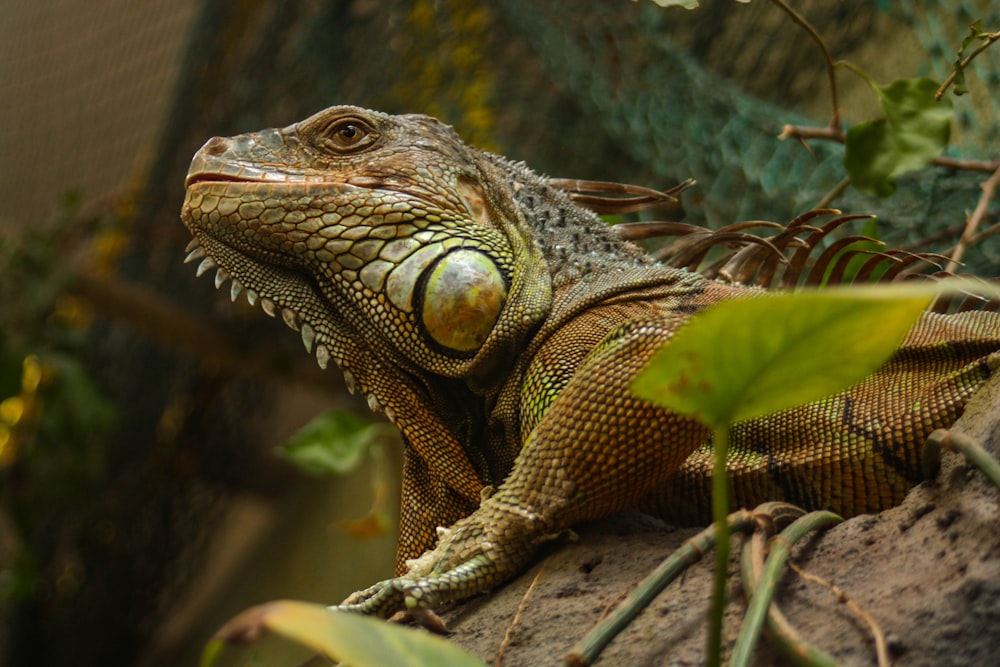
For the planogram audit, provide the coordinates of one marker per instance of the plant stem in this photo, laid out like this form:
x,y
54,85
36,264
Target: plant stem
x,y
759,604
589,648
720,510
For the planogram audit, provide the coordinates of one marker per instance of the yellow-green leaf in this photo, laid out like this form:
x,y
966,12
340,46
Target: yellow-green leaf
x,y
743,359
351,639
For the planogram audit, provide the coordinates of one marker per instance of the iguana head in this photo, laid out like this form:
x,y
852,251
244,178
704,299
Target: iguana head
x,y
360,226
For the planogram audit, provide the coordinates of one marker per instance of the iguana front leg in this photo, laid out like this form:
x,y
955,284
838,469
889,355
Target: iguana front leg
x,y
586,458
474,556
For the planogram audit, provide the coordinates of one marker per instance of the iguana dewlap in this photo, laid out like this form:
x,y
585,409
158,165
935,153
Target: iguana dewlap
x,y
498,325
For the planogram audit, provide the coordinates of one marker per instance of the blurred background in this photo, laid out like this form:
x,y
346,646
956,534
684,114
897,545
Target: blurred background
x,y
141,500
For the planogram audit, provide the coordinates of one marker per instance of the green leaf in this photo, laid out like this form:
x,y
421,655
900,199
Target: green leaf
x,y
922,123
351,639
332,444
915,130
871,157
976,32
743,359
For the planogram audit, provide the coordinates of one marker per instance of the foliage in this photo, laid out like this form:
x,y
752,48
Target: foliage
x,y
976,33
744,359
731,363
54,418
915,130
333,443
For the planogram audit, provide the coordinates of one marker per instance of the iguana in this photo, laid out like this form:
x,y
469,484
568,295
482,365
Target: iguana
x,y
498,325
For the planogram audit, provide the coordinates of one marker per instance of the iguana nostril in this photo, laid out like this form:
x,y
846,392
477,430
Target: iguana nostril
x,y
216,146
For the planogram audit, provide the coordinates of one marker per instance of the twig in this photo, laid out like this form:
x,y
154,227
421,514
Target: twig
x,y
958,442
802,132
831,66
967,165
759,603
992,230
587,650
935,240
990,38
785,638
837,190
881,645
509,634
972,224
162,321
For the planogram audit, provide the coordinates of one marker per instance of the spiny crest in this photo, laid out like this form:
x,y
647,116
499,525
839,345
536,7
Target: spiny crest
x,y
806,252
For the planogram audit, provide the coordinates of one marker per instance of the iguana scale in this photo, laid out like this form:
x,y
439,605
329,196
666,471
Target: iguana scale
x,y
498,325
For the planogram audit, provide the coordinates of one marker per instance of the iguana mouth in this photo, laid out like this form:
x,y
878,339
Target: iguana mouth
x,y
201,177
214,163
270,178
319,336
292,317
274,280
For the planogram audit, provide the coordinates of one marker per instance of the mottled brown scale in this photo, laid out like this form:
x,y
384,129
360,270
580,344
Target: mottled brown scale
x,y
498,325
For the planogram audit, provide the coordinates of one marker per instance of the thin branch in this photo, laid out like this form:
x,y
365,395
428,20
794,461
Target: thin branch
x,y
831,66
987,166
992,230
837,190
804,133
935,240
990,38
972,224
881,644
516,621
157,318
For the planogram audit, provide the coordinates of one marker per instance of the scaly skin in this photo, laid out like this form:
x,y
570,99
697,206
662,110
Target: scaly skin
x,y
498,326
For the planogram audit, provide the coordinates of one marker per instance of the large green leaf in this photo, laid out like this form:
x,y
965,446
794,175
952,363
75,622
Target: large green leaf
x,y
744,359
351,639
915,130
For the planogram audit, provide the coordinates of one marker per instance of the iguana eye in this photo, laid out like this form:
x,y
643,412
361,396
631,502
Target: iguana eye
x,y
347,135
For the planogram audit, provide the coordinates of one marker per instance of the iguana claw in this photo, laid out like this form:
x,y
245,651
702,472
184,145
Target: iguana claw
x,y
417,594
471,558
380,599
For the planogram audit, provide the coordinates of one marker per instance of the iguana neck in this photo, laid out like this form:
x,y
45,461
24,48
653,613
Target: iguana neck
x,y
574,242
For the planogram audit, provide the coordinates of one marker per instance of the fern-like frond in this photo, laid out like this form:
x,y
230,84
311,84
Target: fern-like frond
x,y
810,251
605,197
